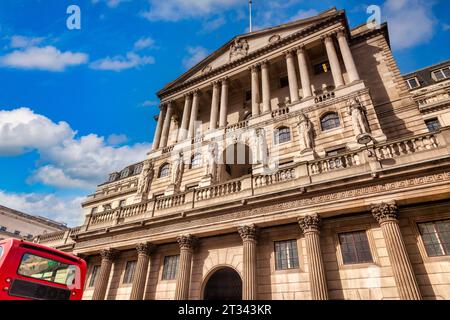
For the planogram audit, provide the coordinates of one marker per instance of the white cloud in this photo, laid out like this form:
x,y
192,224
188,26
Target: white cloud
x,y
149,103
214,24
410,22
66,161
24,42
120,63
303,14
446,26
144,43
175,10
195,55
62,209
111,3
117,139
46,58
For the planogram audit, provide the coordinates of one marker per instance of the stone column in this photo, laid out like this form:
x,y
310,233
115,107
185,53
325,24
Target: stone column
x,y
166,126
187,244
159,126
249,239
310,226
194,115
334,61
387,216
215,105
265,86
140,276
255,90
101,284
183,133
304,73
224,104
347,56
292,77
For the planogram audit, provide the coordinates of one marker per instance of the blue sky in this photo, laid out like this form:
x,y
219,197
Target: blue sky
x,y
77,104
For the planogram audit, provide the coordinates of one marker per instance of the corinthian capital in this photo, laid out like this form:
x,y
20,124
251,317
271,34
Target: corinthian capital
x,y
187,241
310,223
145,248
383,212
109,254
248,233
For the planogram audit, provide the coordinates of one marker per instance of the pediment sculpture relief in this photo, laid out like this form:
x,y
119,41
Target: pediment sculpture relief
x,y
239,48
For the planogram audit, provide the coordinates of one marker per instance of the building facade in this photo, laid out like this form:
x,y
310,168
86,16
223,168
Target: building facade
x,y
19,225
294,162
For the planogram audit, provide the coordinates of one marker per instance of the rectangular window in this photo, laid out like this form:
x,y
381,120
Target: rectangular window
x,y
322,67
2,228
284,82
355,247
46,269
441,74
436,237
1,250
433,125
170,267
412,83
129,272
94,273
17,233
286,255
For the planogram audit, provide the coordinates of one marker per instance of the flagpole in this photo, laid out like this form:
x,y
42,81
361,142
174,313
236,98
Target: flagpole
x,y
250,14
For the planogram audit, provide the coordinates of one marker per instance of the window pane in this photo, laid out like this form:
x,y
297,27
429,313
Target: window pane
x,y
330,121
170,267
47,269
355,247
1,251
282,134
93,275
433,125
436,237
129,272
446,72
286,255
438,74
413,83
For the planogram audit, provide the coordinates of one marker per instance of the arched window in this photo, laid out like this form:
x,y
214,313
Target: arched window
x,y
282,134
163,170
196,160
329,121
125,172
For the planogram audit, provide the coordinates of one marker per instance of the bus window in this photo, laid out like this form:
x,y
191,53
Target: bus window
x,y
47,269
1,251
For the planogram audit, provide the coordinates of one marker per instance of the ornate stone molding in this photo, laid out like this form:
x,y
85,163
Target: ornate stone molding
x,y
188,241
145,248
384,212
109,254
310,223
289,53
248,232
301,48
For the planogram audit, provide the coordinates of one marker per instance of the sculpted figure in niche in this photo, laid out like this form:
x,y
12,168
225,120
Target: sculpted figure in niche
x,y
211,164
146,178
261,146
177,169
305,133
359,117
239,49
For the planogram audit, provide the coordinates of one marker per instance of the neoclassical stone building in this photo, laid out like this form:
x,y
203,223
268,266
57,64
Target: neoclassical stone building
x,y
294,162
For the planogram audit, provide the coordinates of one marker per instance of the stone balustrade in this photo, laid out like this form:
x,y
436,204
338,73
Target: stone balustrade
x,y
237,126
324,97
51,237
340,161
218,190
170,201
280,175
398,148
280,112
167,149
103,217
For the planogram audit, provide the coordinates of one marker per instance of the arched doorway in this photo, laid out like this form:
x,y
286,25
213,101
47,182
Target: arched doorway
x,y
237,160
223,284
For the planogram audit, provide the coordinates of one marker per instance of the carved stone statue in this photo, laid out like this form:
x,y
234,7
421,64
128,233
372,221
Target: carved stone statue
x,y
239,48
146,178
305,133
261,146
211,164
177,170
359,117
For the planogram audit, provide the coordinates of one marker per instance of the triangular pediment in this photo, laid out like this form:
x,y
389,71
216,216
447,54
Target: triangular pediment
x,y
243,45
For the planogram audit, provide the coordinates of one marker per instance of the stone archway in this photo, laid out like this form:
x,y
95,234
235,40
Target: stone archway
x,y
223,284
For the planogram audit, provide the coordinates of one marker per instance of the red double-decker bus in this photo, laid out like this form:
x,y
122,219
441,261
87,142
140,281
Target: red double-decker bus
x,y
30,271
